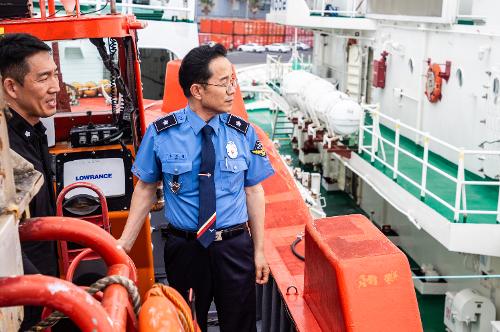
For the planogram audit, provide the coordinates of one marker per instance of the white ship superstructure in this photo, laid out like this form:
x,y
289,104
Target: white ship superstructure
x,y
426,157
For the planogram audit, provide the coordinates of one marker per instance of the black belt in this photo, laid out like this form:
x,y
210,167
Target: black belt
x,y
220,235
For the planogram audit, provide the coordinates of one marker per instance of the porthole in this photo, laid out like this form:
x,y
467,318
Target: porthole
x,y
496,87
460,77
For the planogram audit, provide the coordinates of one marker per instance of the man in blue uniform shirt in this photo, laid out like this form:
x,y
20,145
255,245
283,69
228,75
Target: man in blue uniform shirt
x,y
211,163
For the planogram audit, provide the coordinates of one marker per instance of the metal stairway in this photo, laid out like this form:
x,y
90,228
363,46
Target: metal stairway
x,y
282,128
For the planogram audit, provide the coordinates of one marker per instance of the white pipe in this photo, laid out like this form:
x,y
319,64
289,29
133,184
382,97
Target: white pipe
x,y
425,161
474,30
481,183
374,138
498,206
477,212
485,152
351,13
361,132
396,152
178,9
423,71
458,190
480,276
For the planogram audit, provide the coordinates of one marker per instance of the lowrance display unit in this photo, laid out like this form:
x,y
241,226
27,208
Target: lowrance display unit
x,y
106,173
110,170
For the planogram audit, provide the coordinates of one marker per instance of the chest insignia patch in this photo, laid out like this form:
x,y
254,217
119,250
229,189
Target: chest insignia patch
x,y
258,149
27,133
231,149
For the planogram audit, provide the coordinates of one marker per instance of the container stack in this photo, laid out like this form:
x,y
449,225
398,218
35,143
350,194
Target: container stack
x,y
232,33
303,35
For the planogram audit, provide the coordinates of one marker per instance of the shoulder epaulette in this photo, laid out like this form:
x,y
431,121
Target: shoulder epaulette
x,y
165,122
237,123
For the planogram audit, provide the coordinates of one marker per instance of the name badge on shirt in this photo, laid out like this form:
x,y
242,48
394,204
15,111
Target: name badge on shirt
x,y
231,149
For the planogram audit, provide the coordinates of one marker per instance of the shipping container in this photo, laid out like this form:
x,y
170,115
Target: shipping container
x,y
225,40
280,30
217,26
244,27
204,38
307,40
260,28
205,25
289,38
238,40
255,39
227,27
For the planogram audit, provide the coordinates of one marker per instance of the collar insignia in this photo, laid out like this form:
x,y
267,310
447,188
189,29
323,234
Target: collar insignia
x,y
165,122
237,123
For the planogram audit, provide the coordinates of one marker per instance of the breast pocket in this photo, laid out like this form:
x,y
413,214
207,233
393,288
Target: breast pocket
x,y
232,174
177,176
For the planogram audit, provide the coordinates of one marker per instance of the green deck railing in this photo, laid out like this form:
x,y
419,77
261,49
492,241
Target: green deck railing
x,y
446,186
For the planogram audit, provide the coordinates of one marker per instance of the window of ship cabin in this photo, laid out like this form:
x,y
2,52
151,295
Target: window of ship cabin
x,y
84,80
153,66
430,11
406,8
85,86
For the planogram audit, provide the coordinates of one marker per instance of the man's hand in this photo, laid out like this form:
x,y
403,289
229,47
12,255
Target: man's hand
x,y
261,268
127,246
143,197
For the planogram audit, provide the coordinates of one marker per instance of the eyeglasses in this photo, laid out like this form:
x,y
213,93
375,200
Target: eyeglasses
x,y
231,85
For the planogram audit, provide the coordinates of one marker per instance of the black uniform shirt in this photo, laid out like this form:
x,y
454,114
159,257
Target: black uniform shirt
x,y
31,143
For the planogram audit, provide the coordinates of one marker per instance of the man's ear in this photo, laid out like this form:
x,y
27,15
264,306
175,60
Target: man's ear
x,y
196,91
10,87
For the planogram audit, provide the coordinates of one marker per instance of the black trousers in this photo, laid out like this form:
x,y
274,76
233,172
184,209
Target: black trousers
x,y
223,272
39,257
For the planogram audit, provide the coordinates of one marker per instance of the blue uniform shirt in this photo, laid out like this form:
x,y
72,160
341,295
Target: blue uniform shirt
x,y
176,151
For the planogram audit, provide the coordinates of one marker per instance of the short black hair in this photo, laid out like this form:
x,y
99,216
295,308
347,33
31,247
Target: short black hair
x,y
14,49
194,66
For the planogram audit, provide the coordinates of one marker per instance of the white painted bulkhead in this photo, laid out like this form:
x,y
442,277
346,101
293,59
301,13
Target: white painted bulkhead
x,y
467,114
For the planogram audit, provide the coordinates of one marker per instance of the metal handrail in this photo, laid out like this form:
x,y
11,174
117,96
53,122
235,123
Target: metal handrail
x,y
352,12
276,70
460,205
126,6
129,5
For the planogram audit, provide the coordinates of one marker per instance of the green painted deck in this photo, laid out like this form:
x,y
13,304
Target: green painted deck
x,y
478,197
340,203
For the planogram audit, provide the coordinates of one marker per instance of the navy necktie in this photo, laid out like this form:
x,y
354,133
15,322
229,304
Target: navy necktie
x,y
206,217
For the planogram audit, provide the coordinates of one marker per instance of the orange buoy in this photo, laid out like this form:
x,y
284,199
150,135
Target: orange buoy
x,y
91,89
433,83
165,310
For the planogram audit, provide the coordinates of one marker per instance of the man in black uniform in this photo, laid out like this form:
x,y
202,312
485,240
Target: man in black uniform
x,y
30,85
